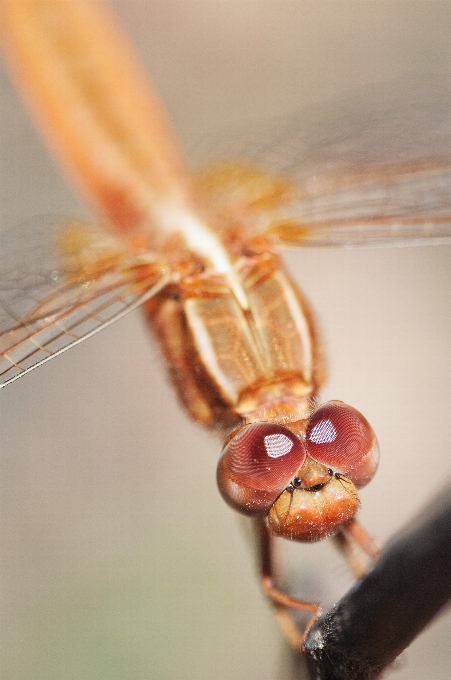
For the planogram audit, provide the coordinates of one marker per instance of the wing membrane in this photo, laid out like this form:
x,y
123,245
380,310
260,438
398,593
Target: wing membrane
x,y
44,311
373,169
404,210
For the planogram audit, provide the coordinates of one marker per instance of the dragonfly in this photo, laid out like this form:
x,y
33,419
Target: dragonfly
x,y
199,254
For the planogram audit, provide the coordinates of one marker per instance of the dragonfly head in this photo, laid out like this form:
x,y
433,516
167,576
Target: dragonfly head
x,y
303,478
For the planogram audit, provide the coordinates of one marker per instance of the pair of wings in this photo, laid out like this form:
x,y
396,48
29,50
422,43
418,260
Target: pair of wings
x,y
374,169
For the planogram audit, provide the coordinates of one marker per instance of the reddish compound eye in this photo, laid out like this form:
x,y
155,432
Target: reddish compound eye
x,y
257,464
340,437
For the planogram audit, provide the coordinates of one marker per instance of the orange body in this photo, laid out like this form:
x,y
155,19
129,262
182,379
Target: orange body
x,y
231,364
239,338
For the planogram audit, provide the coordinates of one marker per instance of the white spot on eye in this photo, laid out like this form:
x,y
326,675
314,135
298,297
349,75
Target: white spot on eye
x,y
277,445
323,433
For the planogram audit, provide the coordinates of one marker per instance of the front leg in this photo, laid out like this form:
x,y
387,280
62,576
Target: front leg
x,y
359,548
351,539
282,603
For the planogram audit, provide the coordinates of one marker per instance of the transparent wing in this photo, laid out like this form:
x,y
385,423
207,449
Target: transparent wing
x,y
374,168
408,209
51,300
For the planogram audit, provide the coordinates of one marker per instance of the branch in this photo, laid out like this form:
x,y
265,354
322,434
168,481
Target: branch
x,y
380,616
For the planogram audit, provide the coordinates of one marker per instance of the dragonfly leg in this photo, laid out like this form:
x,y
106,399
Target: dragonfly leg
x,y
282,603
356,544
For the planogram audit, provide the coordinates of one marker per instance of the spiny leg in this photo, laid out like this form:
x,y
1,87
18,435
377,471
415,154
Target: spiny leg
x,y
281,602
353,541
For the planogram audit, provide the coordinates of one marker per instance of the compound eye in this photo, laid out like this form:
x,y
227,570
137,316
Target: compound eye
x,y
257,464
339,436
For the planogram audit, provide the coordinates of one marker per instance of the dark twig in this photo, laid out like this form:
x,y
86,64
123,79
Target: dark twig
x,y
383,613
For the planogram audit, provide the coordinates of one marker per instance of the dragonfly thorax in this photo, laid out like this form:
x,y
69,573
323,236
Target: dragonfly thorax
x,y
229,362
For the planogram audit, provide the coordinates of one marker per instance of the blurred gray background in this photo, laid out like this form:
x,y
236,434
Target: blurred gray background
x,y
118,557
